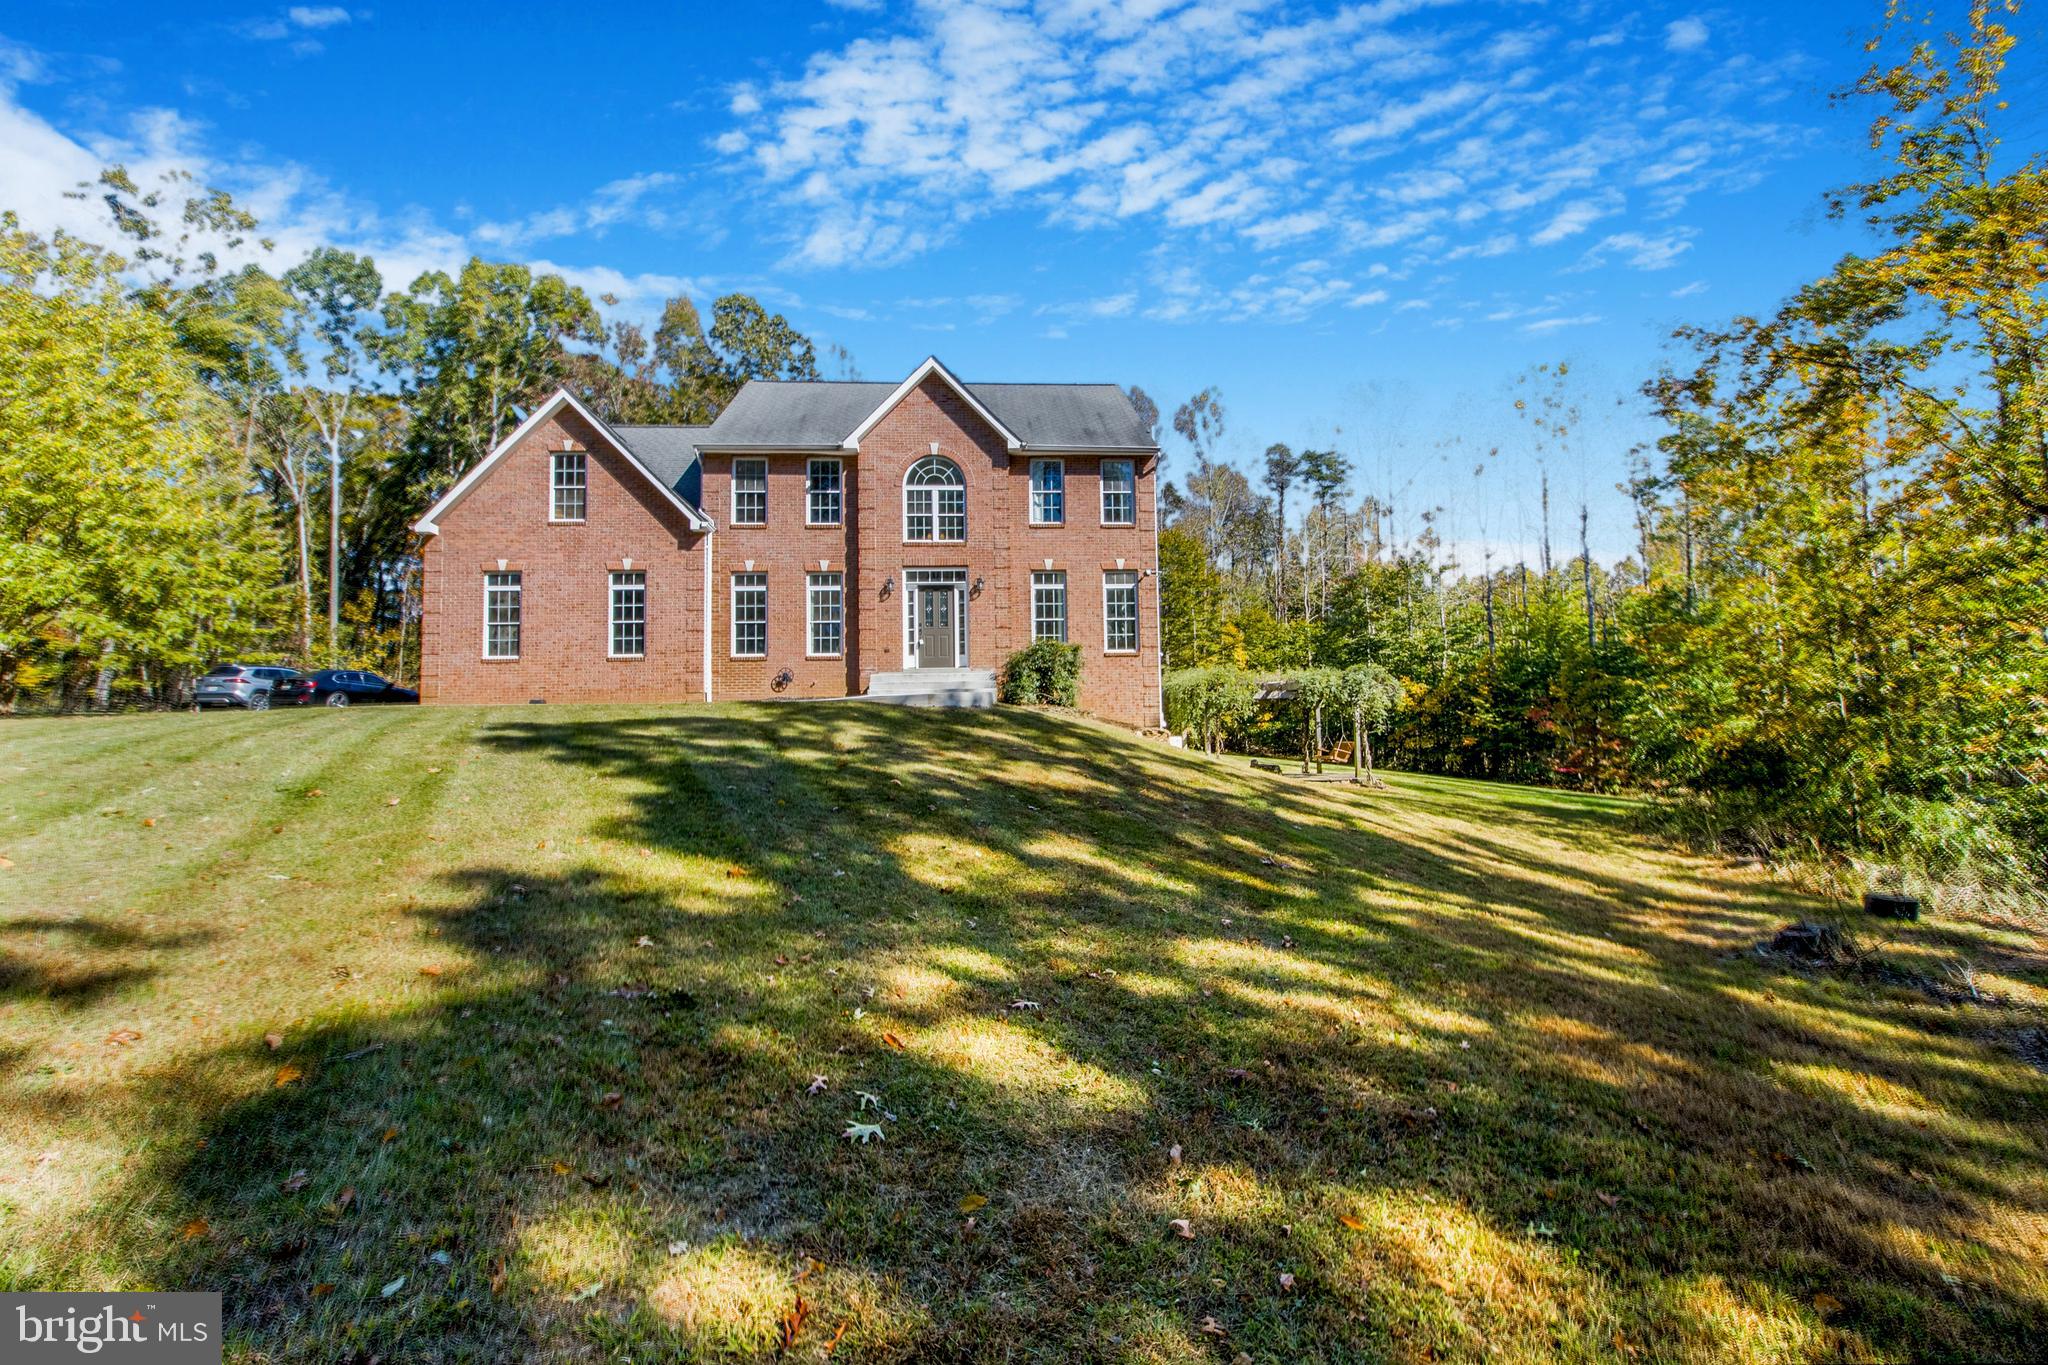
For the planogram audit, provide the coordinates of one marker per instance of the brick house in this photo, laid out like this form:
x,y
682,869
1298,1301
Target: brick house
x,y
818,539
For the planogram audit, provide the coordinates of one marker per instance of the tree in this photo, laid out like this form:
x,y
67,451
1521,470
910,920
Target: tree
x,y
1369,693
337,294
1313,691
1283,466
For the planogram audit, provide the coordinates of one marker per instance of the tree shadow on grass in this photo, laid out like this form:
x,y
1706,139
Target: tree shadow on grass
x,y
1459,1087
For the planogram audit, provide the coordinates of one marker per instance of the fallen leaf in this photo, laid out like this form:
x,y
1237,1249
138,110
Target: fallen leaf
x,y
792,1323
296,1181
196,1228
1286,1279
893,1041
432,969
288,1073
856,1131
388,1290
149,822
734,872
1826,1303
1610,1200
818,1084
563,1168
390,800
345,1198
970,1203
316,792
323,1289
273,1041
1213,1328
121,1037
6,863
1185,1228
1352,1221
588,1291
612,1099
644,942
1173,1154
833,1344
388,1135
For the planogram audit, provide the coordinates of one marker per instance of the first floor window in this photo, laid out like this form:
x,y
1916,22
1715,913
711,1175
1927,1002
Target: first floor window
x,y
1048,492
750,615
501,616
570,482
822,493
1119,493
629,615
827,614
1120,613
750,492
1049,606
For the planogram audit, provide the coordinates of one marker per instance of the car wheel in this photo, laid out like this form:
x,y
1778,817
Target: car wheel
x,y
337,699
259,701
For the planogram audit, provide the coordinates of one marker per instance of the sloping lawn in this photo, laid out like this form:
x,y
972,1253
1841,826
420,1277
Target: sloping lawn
x,y
533,1033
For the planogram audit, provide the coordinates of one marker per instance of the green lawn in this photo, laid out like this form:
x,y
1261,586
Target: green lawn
x,y
492,1034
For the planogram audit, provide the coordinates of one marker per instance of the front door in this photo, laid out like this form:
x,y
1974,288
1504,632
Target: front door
x,y
937,643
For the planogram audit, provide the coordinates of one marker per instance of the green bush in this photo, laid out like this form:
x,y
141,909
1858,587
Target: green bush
x,y
1046,674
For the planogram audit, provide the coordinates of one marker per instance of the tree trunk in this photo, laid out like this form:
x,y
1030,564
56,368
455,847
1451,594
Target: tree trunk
x,y
1586,573
1358,745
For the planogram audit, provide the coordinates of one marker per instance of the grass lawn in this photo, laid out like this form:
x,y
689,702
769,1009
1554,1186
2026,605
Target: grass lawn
x,y
533,1033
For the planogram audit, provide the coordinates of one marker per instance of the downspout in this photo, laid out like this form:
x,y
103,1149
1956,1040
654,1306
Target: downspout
x,y
710,532
1158,602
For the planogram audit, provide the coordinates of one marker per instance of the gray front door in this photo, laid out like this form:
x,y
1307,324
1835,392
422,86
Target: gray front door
x,y
936,641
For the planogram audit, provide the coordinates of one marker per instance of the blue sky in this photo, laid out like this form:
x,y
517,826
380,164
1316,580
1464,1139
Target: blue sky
x,y
1363,222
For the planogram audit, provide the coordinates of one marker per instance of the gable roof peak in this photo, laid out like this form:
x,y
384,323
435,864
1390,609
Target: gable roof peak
x,y
924,371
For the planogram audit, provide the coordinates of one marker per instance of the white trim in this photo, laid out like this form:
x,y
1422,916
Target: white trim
x,y
518,590
914,583
904,494
428,525
611,614
811,588
923,372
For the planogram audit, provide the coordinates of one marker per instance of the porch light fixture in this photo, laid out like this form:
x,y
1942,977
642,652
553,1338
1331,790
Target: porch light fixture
x,y
975,591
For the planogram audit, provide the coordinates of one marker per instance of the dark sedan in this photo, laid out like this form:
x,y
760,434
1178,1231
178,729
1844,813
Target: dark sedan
x,y
344,687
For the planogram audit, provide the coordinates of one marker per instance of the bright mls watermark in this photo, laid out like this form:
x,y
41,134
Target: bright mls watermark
x,y
162,1329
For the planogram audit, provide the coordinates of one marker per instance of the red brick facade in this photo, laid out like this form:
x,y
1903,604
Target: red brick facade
x,y
565,568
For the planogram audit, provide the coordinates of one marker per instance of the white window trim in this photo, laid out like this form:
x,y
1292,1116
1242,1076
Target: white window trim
x,y
1066,605
1137,617
555,487
932,489
733,634
811,617
518,590
611,612
839,490
749,460
1102,500
1031,508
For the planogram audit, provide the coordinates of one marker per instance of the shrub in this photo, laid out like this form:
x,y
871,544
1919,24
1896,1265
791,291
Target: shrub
x,y
1048,673
1211,704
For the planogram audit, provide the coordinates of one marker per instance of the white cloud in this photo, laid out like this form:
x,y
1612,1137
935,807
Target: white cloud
x,y
1641,252
1685,35
1573,218
1686,291
317,16
1543,325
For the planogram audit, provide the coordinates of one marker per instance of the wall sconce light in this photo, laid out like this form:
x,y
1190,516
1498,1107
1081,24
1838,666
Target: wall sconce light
x,y
888,586
975,591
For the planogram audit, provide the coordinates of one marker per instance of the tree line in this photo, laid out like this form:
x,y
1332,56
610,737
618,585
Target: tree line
x,y
1832,632
202,458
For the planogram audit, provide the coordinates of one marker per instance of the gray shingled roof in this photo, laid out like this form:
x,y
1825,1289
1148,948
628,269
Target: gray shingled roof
x,y
668,451
798,413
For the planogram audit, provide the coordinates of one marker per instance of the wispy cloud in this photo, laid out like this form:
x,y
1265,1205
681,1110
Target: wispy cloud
x,y
295,26
1684,35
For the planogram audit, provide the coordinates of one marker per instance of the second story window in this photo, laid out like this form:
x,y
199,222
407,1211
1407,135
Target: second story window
x,y
750,492
569,481
822,506
1048,492
1119,493
934,501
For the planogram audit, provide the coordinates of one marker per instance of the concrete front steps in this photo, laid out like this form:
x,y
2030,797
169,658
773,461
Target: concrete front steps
x,y
970,687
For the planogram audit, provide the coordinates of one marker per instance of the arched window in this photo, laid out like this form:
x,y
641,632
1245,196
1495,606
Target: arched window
x,y
934,500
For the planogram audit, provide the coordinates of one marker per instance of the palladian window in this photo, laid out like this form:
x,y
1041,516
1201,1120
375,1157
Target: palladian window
x,y
934,501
